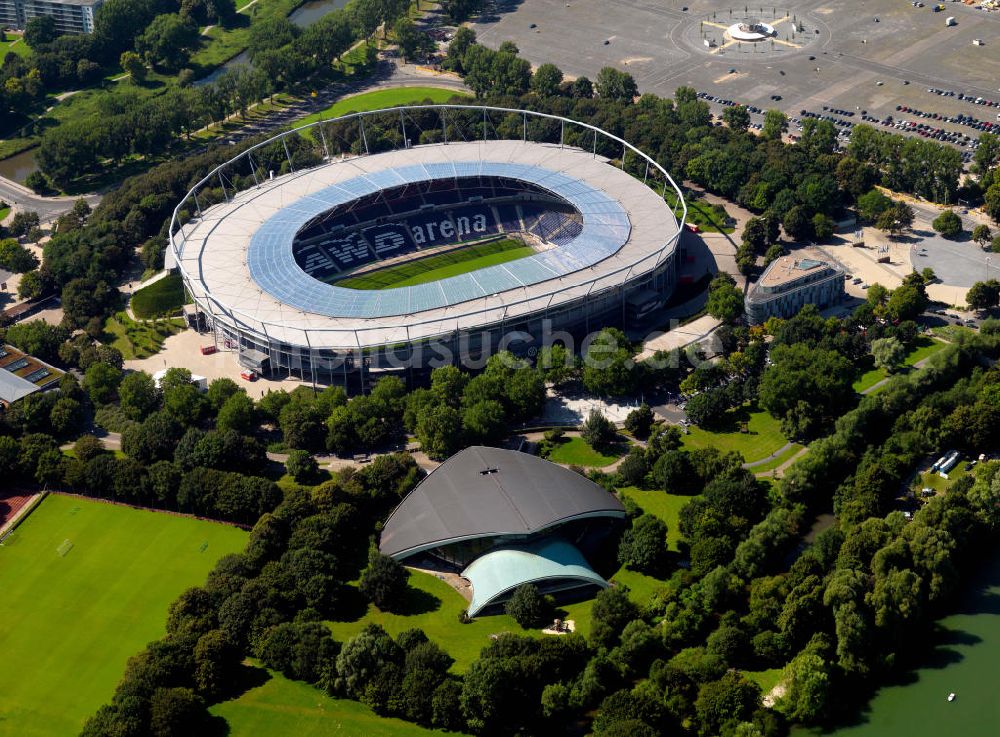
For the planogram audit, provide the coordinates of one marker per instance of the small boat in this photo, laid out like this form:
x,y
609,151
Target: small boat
x,y
951,697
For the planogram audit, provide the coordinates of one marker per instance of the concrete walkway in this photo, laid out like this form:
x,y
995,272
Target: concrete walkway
x,y
784,448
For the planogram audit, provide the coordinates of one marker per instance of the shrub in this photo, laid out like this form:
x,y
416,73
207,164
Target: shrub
x,y
527,606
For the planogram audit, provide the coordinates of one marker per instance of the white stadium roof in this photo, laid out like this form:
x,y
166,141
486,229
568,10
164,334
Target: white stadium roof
x,y
239,265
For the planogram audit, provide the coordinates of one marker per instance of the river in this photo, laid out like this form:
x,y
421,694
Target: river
x,y
18,166
965,661
303,16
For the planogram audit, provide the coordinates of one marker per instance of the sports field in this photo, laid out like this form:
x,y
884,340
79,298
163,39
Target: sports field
x,y
284,707
441,266
85,585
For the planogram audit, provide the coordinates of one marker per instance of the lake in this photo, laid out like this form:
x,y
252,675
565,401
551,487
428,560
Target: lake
x,y
966,661
18,166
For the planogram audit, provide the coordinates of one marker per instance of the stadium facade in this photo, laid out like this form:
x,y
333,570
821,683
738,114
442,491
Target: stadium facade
x,y
504,519
261,264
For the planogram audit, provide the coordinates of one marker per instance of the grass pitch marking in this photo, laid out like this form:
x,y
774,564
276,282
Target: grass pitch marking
x,y
64,547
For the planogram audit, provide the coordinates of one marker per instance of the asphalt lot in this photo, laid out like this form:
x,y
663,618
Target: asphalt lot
x,y
960,263
661,46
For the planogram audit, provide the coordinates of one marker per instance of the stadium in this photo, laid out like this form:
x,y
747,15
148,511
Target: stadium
x,y
483,229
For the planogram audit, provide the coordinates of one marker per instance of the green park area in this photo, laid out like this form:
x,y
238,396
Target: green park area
x,y
85,586
280,706
923,348
747,430
140,339
162,298
663,505
379,99
434,606
4,212
578,452
440,266
11,44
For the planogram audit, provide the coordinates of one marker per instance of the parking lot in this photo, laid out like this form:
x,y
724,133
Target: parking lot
x,y
850,62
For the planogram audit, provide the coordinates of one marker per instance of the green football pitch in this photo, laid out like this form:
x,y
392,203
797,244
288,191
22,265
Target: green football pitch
x,y
440,266
84,585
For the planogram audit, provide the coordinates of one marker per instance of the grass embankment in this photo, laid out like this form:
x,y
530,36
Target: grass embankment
x,y
162,298
709,218
13,44
434,606
379,99
280,706
923,348
762,437
578,452
663,505
140,339
71,620
440,266
4,212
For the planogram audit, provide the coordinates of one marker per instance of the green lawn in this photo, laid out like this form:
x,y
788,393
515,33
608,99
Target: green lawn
x,y
435,606
708,218
923,348
4,212
577,452
284,707
663,505
380,99
13,44
936,482
71,621
766,679
441,266
161,298
763,435
140,339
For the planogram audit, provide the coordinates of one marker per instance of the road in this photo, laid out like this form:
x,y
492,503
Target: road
x,y
48,208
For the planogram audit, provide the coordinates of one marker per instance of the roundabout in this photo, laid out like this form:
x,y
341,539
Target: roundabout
x,y
761,32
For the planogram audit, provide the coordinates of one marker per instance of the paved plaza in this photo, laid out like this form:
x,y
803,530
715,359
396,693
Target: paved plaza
x,y
843,58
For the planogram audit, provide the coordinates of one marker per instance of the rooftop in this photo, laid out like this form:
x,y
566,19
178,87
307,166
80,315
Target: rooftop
x,y
785,269
487,492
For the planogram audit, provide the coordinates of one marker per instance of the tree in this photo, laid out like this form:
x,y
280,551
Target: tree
x,y
797,223
302,467
22,222
384,581
528,607
32,286
608,364
87,447
598,431
167,41
38,338
725,301
981,234
134,66
484,422
15,257
138,395
439,432
737,117
40,30
732,698
237,413
983,295
775,125
643,547
613,84
639,421
807,687
889,353
948,224
823,226
546,80
895,219
176,712
101,382
991,201
612,610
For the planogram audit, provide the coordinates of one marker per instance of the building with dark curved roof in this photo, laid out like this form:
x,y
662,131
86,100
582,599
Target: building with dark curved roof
x,y
505,518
